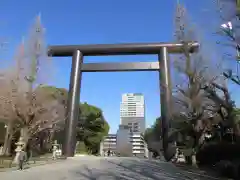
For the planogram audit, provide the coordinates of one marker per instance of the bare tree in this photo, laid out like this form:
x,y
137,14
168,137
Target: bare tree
x,y
23,102
9,82
229,40
197,99
5,114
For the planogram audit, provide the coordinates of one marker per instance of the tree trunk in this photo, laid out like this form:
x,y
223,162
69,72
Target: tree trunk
x,y
7,140
25,136
7,145
51,137
41,143
237,130
194,160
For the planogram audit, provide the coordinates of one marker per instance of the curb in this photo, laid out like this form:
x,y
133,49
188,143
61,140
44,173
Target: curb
x,y
41,163
80,155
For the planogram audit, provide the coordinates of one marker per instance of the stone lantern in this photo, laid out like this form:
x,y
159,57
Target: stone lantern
x,y
54,150
20,144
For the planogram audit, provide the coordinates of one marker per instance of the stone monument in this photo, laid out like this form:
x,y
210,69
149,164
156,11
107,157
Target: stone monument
x,y
54,150
20,144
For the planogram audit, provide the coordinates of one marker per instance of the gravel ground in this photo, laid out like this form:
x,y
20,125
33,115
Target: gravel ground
x,y
104,168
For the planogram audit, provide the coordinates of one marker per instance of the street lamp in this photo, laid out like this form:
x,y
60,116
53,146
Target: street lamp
x,y
229,31
227,26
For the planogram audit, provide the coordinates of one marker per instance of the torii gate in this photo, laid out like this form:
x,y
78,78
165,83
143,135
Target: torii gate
x,y
162,66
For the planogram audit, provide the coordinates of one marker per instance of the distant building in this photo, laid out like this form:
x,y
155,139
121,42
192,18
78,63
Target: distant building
x,y
138,144
124,145
108,143
132,112
129,141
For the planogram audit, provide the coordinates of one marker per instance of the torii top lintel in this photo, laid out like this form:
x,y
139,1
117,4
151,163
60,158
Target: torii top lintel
x,y
119,49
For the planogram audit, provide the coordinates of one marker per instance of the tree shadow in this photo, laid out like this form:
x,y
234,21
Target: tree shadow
x,y
132,170
151,170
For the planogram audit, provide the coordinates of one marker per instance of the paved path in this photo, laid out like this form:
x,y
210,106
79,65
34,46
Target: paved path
x,y
100,168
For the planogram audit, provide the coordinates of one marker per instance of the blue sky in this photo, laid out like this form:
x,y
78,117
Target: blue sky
x,y
94,22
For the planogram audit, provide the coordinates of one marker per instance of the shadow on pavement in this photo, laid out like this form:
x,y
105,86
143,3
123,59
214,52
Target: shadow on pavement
x,y
135,170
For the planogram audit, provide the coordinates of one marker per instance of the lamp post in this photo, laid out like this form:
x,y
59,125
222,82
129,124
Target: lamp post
x,y
227,29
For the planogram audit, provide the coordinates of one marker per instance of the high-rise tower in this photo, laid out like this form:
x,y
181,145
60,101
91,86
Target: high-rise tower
x,y
132,112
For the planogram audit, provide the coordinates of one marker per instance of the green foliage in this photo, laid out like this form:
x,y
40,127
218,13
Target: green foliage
x,y
81,148
148,134
153,133
92,127
236,115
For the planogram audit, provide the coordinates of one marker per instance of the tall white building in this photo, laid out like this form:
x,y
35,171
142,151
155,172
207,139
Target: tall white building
x,y
132,112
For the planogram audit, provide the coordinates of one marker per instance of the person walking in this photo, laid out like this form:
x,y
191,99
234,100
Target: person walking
x,y
21,158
